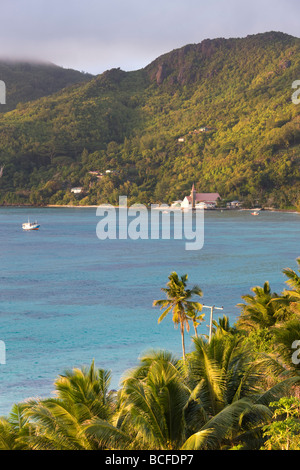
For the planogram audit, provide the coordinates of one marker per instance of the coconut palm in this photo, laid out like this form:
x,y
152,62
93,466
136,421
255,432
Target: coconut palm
x,y
287,337
57,425
222,327
82,394
89,387
8,435
226,370
151,407
227,383
214,401
15,429
179,302
260,310
293,282
289,300
197,319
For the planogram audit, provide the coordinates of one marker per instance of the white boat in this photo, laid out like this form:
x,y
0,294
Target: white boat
x,y
30,226
255,213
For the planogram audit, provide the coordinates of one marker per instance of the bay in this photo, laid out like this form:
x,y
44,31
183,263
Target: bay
x,y
67,297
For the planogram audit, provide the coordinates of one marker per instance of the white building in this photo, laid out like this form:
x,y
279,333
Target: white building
x,y
234,204
200,200
76,190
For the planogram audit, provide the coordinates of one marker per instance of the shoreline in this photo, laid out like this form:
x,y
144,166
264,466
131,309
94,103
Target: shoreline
x,y
67,206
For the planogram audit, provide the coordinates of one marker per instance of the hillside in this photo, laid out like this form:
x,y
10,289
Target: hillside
x,y
144,127
27,81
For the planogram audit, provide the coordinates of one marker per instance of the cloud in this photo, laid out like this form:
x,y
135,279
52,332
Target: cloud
x,y
95,35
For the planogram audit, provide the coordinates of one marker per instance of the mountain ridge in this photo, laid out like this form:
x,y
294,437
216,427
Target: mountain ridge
x,y
130,123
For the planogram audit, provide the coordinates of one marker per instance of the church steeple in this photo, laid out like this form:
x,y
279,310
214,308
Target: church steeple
x,y
193,196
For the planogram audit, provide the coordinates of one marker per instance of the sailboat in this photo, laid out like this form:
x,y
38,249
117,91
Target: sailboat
x,y
30,225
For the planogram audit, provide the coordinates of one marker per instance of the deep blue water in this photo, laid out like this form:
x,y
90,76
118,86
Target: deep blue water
x,y
67,298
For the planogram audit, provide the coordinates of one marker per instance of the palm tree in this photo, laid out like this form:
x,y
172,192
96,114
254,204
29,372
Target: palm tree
x,y
288,302
197,319
179,302
57,423
89,387
213,402
151,407
223,325
227,385
293,281
287,337
260,310
15,429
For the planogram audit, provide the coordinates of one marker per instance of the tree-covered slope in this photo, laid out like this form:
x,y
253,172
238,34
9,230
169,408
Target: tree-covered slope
x,y
144,127
27,81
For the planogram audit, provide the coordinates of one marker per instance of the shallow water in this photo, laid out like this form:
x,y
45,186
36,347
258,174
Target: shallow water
x,y
67,298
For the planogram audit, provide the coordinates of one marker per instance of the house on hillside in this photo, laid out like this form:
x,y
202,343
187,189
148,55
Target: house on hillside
x,y
76,190
200,200
205,129
97,174
202,129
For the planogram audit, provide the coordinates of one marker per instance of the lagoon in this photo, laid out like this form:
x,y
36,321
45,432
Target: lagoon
x,y
67,297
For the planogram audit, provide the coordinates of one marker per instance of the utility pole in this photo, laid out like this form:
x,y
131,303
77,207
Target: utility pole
x,y
212,308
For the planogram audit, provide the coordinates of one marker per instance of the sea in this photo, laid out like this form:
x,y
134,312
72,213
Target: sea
x,y
68,298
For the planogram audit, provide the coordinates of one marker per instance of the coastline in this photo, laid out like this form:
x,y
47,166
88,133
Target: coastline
x,y
68,206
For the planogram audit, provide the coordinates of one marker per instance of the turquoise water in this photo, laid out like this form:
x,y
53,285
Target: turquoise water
x,y
67,298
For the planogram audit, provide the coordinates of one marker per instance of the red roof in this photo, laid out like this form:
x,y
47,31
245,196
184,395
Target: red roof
x,y
205,197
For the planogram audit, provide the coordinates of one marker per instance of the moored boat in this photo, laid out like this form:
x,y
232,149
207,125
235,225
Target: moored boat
x,y
30,226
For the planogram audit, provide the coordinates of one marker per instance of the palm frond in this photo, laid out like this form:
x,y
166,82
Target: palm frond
x,y
211,435
107,435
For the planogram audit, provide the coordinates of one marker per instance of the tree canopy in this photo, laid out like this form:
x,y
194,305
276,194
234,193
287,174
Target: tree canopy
x,y
218,114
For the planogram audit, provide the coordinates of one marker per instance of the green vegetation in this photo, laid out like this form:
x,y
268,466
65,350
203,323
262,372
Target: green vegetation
x,y
130,122
285,433
29,81
179,302
239,391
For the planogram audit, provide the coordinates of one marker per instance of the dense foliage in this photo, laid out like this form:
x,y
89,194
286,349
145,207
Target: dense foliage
x,y
237,390
240,90
26,81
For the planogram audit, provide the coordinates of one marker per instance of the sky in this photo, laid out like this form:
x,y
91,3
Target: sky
x,y
97,35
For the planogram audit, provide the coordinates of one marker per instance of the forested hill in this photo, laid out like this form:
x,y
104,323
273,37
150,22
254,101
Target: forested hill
x,y
27,81
219,114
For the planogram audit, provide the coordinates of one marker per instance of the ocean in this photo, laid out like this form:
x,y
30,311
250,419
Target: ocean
x,y
67,298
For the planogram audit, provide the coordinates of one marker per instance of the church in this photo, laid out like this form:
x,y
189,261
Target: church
x,y
200,200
